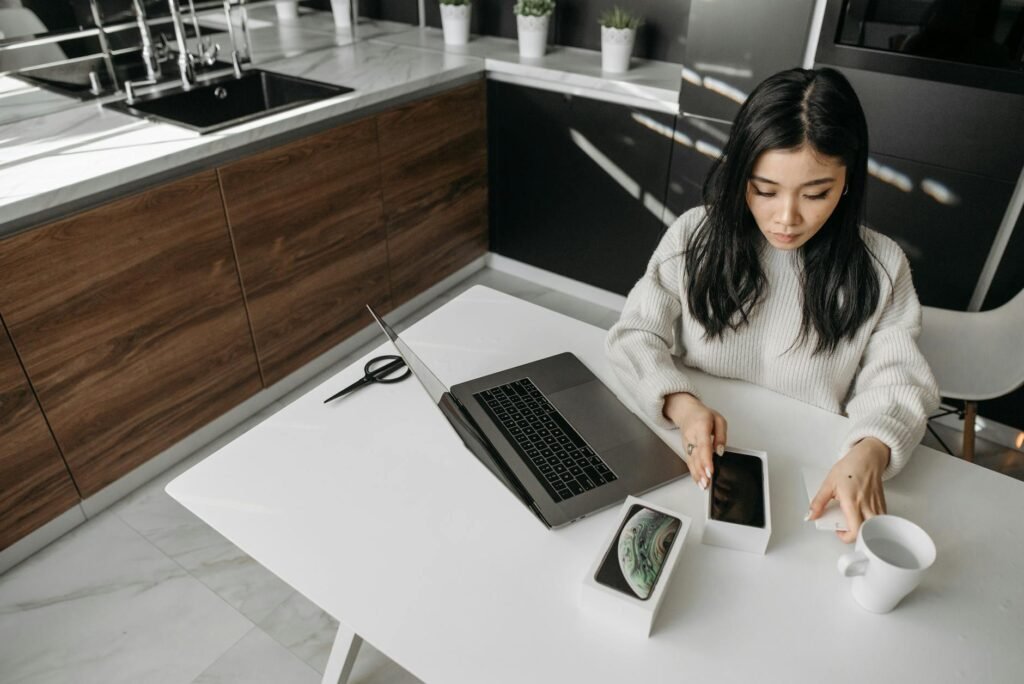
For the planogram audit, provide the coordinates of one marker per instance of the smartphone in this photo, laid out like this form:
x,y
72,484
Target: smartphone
x,y
737,489
633,562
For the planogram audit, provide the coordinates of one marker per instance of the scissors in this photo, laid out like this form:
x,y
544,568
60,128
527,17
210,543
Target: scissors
x,y
374,372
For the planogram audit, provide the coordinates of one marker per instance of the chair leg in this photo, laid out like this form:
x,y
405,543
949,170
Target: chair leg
x,y
970,413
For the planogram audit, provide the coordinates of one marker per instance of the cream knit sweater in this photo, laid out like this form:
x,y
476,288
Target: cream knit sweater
x,y
879,378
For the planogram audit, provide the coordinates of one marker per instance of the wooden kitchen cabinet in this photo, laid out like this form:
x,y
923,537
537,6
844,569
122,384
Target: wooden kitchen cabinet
x,y
434,180
130,323
35,486
309,235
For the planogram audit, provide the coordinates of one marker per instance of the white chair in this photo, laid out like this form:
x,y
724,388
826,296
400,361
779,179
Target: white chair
x,y
975,355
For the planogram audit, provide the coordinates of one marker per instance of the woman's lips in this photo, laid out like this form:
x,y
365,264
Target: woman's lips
x,y
785,238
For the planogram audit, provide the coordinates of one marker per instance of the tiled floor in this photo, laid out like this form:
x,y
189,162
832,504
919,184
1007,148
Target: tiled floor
x,y
145,592
987,454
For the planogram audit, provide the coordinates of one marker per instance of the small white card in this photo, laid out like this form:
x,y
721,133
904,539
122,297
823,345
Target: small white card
x,y
832,520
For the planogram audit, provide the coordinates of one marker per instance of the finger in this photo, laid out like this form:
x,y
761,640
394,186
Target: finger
x,y
853,519
706,447
699,460
875,507
820,500
874,502
721,434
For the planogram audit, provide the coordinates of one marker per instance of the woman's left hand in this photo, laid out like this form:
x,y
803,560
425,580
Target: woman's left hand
x,y
856,482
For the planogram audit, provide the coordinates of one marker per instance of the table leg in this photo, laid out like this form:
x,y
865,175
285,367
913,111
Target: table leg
x,y
343,656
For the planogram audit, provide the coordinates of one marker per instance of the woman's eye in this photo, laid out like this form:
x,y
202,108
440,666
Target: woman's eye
x,y
819,196
762,194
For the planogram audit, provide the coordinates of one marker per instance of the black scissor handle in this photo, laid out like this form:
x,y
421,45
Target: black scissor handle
x,y
375,372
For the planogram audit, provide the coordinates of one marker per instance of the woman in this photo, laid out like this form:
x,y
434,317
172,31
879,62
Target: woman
x,y
775,281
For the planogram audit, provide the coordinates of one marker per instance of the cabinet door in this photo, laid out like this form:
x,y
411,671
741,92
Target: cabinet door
x,y
130,323
945,220
577,186
697,144
434,179
309,234
35,486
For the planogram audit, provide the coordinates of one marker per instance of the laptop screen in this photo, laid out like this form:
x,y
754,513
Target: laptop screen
x,y
435,388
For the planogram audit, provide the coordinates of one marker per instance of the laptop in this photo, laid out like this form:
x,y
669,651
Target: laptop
x,y
552,433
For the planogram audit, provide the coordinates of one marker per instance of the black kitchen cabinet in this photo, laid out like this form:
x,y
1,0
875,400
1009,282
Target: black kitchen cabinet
x,y
696,144
577,186
944,220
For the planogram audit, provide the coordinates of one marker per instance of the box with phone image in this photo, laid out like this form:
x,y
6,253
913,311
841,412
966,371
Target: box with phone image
x,y
627,580
739,508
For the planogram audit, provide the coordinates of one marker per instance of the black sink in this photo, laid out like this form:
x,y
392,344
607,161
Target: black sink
x,y
213,105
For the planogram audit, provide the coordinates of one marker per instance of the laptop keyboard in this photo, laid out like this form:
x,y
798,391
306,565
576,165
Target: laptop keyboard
x,y
554,451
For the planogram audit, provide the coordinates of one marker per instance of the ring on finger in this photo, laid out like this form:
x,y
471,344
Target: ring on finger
x,y
690,448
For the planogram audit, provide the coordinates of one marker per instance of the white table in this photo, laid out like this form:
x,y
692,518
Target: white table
x,y
373,509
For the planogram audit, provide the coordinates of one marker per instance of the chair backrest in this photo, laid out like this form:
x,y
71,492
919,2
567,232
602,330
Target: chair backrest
x,y
975,355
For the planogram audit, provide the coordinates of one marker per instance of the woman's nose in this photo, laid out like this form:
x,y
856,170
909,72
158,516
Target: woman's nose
x,y
789,213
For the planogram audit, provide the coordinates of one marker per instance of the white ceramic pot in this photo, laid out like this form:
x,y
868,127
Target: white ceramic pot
x,y
287,9
616,47
342,10
455,23
533,35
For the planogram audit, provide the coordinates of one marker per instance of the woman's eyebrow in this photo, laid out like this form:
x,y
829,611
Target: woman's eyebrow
x,y
816,181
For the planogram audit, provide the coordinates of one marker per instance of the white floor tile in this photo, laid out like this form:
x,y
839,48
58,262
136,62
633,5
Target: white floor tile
x,y
103,605
242,582
258,659
301,627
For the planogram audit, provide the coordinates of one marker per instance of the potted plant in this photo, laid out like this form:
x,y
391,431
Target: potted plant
x,y
532,18
455,21
618,34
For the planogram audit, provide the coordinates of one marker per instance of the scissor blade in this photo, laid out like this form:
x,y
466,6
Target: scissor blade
x,y
354,386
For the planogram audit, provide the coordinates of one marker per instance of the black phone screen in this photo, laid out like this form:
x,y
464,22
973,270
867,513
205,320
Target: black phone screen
x,y
737,489
633,562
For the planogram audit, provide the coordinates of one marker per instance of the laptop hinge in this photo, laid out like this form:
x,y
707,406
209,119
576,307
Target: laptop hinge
x,y
475,441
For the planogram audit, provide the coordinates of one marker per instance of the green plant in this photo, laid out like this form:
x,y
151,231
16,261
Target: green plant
x,y
453,2
534,8
619,18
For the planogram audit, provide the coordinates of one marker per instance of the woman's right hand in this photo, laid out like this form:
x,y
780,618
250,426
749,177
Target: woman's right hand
x,y
704,432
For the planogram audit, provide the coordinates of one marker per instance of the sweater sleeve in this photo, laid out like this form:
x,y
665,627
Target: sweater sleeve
x,y
894,390
640,346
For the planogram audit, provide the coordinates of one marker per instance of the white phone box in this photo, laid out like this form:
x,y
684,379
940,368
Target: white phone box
x,y
735,536
627,612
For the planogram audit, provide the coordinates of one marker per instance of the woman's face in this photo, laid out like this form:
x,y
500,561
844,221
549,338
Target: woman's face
x,y
791,194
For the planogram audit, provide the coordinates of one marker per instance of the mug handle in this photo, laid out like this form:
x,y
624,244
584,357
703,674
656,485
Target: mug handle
x,y
851,564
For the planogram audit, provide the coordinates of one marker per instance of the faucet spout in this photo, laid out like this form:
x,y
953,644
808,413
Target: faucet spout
x,y
149,55
186,68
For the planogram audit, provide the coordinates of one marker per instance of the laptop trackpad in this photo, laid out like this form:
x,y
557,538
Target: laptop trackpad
x,y
598,415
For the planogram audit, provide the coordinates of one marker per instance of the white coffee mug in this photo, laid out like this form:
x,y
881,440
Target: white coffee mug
x,y
888,561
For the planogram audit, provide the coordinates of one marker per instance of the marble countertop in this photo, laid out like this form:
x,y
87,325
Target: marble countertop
x,y
648,84
55,163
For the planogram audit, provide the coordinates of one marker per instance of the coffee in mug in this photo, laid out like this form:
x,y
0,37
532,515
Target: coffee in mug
x,y
888,561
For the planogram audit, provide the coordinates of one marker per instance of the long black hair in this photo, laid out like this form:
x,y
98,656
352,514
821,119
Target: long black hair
x,y
725,279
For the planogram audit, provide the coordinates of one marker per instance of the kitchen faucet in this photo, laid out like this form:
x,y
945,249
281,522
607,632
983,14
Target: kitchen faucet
x,y
150,56
186,59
